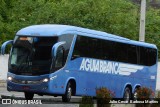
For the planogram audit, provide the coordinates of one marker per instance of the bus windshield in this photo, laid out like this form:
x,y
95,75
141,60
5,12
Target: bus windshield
x,y
31,55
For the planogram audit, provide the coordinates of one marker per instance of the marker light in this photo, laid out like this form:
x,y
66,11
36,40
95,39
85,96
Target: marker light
x,y
45,80
10,78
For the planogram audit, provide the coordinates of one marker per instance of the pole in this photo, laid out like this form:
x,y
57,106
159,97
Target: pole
x,y
142,21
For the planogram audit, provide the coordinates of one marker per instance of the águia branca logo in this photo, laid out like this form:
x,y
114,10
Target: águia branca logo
x,y
109,67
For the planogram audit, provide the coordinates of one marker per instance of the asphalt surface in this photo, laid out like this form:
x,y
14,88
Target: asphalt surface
x,y
47,101
44,105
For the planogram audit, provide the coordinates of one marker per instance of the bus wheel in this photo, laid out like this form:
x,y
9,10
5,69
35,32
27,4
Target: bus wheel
x,y
28,96
67,96
127,94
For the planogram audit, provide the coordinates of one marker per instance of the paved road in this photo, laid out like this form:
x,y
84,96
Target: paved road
x,y
3,66
63,105
44,105
158,77
55,101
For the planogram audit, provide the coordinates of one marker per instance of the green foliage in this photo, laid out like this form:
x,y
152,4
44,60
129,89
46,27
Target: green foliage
x,y
104,96
120,17
87,101
144,93
152,26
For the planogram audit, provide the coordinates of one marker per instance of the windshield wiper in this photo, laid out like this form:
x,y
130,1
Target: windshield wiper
x,y
24,66
21,67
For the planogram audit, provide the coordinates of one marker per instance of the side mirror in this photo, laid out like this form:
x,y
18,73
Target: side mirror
x,y
3,48
55,48
59,60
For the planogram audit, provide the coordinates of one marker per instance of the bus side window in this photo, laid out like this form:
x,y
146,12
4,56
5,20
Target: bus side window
x,y
152,57
68,39
132,54
80,48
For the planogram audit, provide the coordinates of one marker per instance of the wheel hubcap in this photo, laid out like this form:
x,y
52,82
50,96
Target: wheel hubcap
x,y
127,96
69,92
135,95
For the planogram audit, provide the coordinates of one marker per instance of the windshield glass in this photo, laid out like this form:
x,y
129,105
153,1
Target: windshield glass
x,y
31,55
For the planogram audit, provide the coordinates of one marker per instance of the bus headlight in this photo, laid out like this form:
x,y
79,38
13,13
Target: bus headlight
x,y
10,78
45,80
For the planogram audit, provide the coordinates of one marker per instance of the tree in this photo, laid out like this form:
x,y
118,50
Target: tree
x,y
120,17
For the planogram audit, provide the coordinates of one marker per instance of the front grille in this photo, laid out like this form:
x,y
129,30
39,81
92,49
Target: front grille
x,y
25,81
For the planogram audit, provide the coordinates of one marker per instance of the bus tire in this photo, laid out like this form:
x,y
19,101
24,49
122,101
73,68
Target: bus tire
x,y
67,96
28,95
127,94
135,96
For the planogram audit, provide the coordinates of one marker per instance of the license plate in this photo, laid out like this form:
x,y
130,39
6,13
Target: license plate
x,y
26,87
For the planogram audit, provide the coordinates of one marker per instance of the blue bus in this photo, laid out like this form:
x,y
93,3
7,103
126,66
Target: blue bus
x,y
64,60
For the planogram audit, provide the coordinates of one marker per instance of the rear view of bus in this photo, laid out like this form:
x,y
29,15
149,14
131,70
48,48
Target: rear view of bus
x,y
36,53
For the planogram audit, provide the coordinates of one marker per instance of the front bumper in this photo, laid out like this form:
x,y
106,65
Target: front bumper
x,y
34,88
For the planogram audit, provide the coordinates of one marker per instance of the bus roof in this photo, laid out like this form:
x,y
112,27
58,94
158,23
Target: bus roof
x,y
48,30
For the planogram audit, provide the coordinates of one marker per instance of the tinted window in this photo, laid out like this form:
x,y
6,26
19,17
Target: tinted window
x,y
68,39
31,55
132,54
87,47
147,56
114,51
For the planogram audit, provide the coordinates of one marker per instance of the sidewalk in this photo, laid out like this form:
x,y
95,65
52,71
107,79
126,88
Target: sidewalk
x,y
3,66
3,69
2,83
